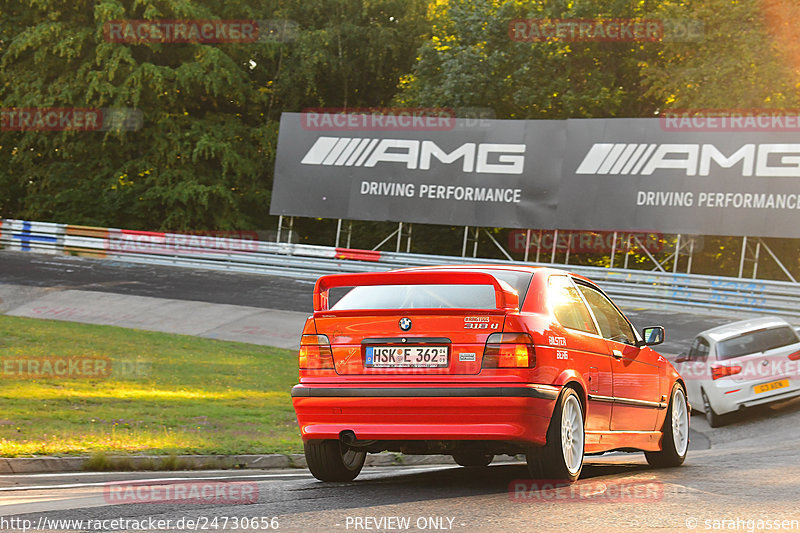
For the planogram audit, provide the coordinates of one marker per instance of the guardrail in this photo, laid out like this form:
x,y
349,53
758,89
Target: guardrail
x,y
654,290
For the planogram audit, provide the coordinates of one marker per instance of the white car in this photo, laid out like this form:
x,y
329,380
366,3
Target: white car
x,y
742,364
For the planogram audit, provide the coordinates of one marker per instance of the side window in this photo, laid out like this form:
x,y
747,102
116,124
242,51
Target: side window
x,y
568,306
699,350
613,325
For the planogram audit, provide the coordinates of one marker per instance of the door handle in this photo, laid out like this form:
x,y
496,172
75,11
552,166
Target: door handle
x,y
616,354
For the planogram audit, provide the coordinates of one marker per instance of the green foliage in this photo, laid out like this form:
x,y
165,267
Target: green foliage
x,y
205,154
737,63
472,60
200,150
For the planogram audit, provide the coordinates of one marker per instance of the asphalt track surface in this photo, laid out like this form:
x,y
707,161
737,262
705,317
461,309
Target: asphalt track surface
x,y
67,272
744,476
735,487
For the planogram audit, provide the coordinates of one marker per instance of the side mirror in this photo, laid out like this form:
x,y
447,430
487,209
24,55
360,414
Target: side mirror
x,y
653,335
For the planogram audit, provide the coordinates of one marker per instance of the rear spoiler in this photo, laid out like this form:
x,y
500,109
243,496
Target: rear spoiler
x,y
506,298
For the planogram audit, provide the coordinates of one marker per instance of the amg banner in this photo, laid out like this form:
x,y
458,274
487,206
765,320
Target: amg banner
x,y
664,175
437,170
583,174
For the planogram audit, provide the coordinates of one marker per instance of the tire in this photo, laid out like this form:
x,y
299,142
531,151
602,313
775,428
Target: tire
x,y
562,457
675,440
330,460
472,459
714,420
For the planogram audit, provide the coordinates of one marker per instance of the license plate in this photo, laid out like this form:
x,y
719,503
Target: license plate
x,y
406,356
772,385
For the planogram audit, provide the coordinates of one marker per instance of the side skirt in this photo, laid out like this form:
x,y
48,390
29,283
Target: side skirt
x,y
605,441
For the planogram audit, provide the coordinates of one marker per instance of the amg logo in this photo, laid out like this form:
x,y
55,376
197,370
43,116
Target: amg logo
x,y
763,160
475,157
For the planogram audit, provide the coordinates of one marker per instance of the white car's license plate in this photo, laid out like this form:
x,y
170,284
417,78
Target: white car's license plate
x,y
771,386
406,357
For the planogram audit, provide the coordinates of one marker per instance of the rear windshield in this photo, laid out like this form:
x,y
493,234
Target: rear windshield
x,y
433,296
756,342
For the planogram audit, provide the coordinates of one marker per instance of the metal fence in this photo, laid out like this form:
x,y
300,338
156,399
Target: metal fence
x,y
653,290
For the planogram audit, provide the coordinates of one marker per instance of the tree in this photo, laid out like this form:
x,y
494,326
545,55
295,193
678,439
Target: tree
x,y
204,155
475,59
736,62
198,152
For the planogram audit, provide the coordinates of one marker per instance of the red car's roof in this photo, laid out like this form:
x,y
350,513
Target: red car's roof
x,y
484,267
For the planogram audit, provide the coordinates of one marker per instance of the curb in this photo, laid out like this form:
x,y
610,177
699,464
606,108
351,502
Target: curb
x,y
48,464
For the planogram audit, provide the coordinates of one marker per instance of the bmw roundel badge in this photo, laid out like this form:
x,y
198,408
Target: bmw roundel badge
x,y
405,323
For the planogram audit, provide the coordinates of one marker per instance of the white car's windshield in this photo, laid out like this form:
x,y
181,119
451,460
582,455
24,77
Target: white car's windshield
x,y
756,342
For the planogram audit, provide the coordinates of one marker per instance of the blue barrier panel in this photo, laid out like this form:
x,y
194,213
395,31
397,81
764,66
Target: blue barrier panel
x,y
26,237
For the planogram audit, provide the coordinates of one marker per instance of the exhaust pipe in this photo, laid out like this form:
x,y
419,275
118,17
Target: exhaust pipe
x,y
348,437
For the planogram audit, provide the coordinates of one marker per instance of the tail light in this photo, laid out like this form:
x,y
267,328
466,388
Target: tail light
x,y
315,352
509,350
794,356
722,371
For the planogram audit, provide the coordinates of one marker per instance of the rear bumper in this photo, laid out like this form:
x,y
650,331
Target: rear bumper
x,y
730,396
509,412
777,397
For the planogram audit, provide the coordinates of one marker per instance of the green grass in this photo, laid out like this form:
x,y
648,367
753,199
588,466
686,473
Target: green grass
x,y
165,394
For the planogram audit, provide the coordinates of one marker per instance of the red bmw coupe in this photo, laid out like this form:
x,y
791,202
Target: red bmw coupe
x,y
475,361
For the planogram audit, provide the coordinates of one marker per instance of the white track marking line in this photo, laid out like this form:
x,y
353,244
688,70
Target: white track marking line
x,y
398,469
